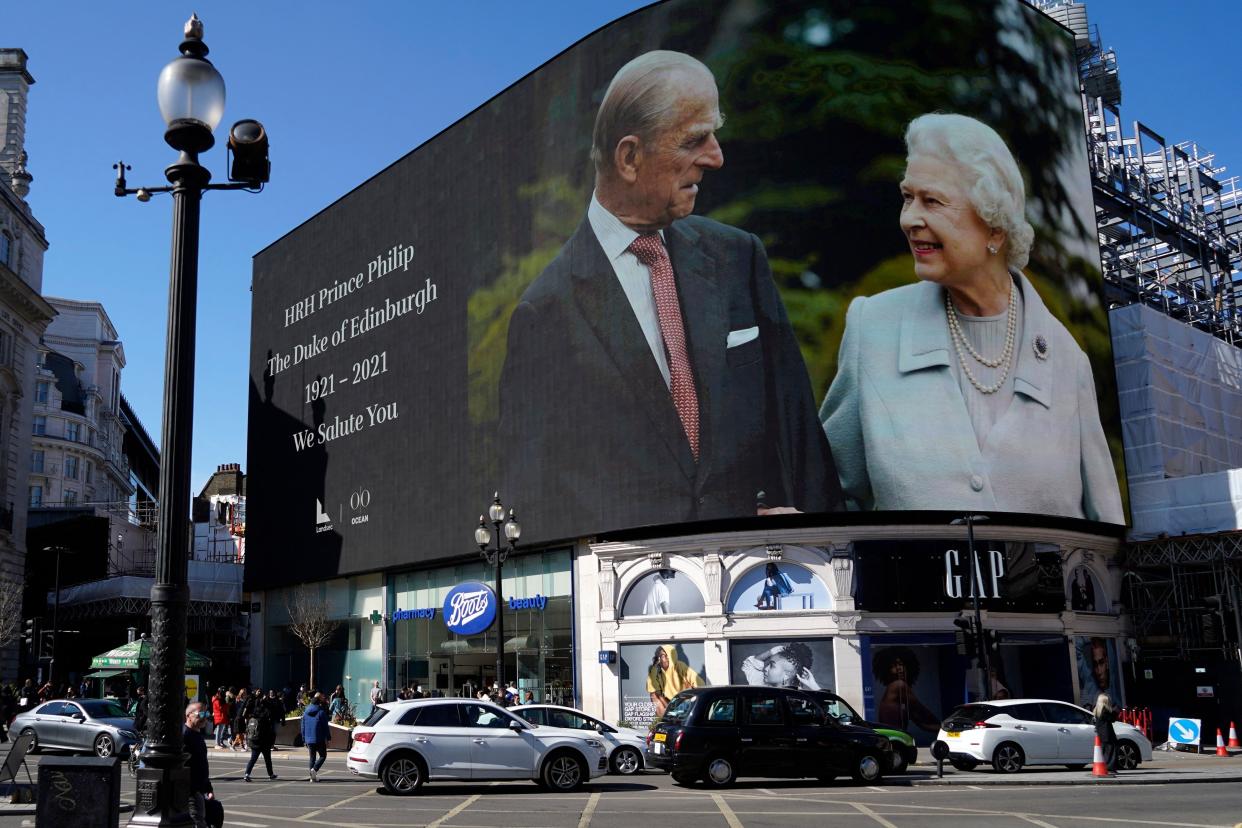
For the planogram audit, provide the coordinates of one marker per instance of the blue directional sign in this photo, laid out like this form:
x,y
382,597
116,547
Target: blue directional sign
x,y
1184,731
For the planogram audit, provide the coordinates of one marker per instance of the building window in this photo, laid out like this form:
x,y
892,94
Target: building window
x,y
71,468
40,424
90,472
73,431
36,461
6,247
6,348
36,496
42,391
71,497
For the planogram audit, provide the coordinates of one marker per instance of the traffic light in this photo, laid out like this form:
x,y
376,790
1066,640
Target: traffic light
x,y
991,640
30,633
964,636
47,642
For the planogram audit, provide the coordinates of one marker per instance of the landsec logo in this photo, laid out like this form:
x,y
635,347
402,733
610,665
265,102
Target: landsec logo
x,y
469,608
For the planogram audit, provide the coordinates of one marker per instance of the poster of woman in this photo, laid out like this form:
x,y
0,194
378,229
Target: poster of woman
x,y
802,664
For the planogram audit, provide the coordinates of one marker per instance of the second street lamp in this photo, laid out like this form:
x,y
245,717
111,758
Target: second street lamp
x,y
191,99
507,531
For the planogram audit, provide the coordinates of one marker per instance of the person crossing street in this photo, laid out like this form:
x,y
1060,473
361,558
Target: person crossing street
x,y
315,733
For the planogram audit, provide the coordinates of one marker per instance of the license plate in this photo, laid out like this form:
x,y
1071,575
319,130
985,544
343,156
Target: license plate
x,y
953,734
660,737
658,747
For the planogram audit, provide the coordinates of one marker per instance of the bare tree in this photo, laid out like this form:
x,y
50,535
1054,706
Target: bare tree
x,y
10,612
309,621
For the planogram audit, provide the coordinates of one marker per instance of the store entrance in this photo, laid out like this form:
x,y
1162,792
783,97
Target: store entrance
x,y
547,676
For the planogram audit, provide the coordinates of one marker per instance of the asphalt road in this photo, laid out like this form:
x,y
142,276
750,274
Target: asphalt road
x,y
651,800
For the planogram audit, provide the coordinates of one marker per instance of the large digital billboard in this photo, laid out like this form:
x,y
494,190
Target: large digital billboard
x,y
717,260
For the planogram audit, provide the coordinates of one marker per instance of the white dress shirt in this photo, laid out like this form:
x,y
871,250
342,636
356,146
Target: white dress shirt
x,y
635,277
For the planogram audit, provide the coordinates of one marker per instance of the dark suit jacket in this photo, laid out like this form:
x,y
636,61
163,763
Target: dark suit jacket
x,y
590,439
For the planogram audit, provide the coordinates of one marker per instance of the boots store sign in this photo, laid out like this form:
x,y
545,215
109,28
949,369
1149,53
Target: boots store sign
x,y
469,608
923,576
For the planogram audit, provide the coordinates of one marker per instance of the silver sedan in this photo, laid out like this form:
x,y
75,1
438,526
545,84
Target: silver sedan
x,y
97,725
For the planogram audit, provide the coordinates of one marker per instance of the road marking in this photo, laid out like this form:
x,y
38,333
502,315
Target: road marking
x,y
589,811
766,791
876,788
1035,821
727,812
312,814
863,809
247,824
457,809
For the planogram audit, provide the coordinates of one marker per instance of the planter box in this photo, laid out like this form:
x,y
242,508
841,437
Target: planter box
x,y
289,729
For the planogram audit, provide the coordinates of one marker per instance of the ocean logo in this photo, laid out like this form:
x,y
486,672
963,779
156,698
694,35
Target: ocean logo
x,y
470,608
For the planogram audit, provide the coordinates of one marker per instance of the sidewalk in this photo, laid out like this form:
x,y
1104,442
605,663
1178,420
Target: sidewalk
x,y
1165,768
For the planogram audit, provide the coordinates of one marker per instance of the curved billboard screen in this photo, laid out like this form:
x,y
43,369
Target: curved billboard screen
x,y
717,260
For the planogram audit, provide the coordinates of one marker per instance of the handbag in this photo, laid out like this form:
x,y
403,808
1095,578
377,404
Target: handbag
x,y
215,813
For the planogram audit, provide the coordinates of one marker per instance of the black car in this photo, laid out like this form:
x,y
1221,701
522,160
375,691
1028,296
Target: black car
x,y
720,733
905,753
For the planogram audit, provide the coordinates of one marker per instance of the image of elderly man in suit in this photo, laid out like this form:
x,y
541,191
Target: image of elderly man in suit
x,y
652,375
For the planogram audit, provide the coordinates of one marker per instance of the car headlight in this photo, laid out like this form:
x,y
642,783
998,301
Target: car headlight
x,y
595,743
128,734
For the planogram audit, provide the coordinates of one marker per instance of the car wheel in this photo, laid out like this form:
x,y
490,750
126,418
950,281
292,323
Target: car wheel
x,y
626,761
104,746
867,768
34,739
964,764
684,779
900,763
1076,766
402,775
1128,756
1008,758
720,772
563,772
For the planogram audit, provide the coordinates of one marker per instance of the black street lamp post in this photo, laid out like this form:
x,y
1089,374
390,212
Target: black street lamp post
x,y
51,667
191,100
976,588
507,530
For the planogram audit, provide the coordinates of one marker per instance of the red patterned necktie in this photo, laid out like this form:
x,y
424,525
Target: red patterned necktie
x,y
650,251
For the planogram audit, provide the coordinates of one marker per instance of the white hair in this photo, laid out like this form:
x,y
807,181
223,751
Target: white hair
x,y
997,192
639,100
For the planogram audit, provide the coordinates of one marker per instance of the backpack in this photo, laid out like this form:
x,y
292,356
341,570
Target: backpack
x,y
252,729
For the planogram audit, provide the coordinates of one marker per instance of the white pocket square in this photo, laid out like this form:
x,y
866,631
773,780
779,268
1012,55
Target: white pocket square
x,y
742,337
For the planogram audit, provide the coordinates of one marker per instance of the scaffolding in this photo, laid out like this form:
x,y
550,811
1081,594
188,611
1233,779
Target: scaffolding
x,y
1170,224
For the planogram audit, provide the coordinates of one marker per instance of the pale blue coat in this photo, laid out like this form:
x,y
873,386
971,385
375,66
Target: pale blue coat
x,y
902,438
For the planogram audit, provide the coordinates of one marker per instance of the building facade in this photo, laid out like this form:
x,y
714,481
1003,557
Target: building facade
x,y
23,317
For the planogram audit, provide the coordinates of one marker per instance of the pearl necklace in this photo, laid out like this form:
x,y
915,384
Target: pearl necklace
x,y
960,340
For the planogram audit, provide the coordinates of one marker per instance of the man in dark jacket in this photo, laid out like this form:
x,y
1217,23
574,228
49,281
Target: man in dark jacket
x,y
196,721
140,710
315,734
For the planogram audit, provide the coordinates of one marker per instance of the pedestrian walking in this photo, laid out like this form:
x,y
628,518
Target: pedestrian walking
x,y
377,695
196,720
316,733
220,716
261,733
1105,714
338,705
243,708
140,709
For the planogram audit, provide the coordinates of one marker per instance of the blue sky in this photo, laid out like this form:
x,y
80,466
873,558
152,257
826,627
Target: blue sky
x,y
345,90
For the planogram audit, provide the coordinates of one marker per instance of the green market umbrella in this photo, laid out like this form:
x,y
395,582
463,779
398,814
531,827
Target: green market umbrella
x,y
137,654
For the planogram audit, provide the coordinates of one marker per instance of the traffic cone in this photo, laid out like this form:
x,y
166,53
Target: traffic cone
x,y
1098,766
1220,744
1233,736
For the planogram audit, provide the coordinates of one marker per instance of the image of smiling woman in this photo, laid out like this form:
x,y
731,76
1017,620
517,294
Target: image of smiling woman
x,y
961,390
668,676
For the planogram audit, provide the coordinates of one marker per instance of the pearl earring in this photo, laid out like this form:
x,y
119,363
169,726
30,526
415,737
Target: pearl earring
x,y
992,249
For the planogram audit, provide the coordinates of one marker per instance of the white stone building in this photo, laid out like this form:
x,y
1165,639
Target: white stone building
x,y
76,453
23,317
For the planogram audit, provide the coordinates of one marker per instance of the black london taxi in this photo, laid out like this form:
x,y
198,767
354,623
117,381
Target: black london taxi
x,y
717,734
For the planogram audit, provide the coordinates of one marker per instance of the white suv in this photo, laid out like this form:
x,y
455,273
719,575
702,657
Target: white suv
x,y
404,744
625,745
1016,732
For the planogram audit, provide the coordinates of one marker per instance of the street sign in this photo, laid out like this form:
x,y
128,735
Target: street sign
x,y
1184,731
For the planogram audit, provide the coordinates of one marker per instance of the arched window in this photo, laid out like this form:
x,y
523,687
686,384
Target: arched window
x,y
778,586
663,592
1086,593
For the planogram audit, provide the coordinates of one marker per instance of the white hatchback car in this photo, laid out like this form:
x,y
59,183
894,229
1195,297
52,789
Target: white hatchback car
x,y
406,743
624,744
1013,733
